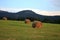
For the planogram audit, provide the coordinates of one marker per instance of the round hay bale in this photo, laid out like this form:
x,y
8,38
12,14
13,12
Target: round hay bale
x,y
37,24
4,18
27,21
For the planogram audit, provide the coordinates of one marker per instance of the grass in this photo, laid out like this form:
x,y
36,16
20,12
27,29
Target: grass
x,y
18,30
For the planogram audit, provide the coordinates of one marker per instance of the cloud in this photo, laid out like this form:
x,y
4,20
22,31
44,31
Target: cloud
x,y
9,9
50,13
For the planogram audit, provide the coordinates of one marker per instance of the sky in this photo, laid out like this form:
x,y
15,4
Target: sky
x,y
47,5
42,7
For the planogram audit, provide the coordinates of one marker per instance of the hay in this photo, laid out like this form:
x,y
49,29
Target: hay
x,y
4,18
37,24
27,21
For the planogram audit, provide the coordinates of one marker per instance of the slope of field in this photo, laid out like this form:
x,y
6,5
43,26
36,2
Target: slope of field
x,y
18,30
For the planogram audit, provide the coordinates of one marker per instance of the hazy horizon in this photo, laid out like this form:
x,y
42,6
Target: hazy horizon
x,y
40,12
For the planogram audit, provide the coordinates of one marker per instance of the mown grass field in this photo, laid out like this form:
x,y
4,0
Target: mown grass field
x,y
18,30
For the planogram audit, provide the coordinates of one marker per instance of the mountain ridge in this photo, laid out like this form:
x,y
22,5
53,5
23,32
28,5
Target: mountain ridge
x,y
22,15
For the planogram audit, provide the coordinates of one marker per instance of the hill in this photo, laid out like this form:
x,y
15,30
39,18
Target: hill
x,y
22,15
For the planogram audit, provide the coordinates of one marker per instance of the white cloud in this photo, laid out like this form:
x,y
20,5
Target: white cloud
x,y
9,9
40,12
50,13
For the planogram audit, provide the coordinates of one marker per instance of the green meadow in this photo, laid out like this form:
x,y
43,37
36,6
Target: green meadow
x,y
18,30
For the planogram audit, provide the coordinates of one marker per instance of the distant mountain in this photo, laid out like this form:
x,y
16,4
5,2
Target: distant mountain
x,y
22,15
9,15
29,14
